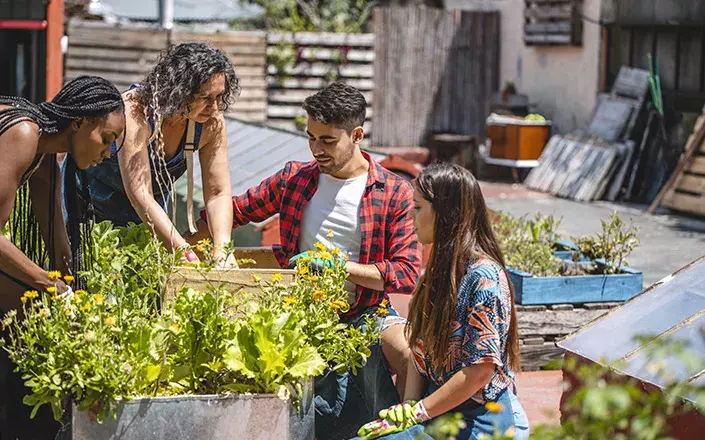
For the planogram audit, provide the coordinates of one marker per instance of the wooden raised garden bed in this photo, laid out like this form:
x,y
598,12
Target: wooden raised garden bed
x,y
234,280
581,289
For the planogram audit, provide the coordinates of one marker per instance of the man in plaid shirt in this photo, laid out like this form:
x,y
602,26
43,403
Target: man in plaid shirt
x,y
343,190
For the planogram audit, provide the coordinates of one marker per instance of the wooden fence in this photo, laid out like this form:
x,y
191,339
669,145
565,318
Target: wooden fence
x,y
315,59
124,55
434,72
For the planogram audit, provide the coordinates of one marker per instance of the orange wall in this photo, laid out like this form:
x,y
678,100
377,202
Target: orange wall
x,y
55,58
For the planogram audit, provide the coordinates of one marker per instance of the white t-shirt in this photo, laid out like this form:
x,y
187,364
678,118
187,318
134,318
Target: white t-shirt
x,y
334,207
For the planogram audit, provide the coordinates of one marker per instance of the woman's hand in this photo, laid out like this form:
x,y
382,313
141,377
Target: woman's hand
x,y
224,260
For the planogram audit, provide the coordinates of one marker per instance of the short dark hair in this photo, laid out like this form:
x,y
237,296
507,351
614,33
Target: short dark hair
x,y
338,104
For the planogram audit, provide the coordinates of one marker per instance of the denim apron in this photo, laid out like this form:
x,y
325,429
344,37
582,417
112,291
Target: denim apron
x,y
108,194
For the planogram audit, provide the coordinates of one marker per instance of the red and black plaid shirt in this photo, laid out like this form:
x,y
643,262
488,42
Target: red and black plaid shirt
x,y
388,238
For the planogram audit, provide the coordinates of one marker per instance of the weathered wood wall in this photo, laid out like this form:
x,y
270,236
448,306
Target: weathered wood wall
x,y
124,55
434,72
318,59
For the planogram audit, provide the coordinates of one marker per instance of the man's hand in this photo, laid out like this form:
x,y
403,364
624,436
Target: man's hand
x,y
318,265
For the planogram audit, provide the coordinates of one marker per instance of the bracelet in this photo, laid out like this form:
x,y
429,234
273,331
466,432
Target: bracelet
x,y
190,256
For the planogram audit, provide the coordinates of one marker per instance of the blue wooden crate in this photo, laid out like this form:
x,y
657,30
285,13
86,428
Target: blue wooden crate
x,y
532,290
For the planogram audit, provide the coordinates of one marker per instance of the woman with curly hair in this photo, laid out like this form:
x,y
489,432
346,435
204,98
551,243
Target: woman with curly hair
x,y
177,110
462,325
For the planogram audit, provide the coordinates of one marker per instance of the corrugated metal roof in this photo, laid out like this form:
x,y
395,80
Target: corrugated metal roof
x,y
672,310
255,152
184,10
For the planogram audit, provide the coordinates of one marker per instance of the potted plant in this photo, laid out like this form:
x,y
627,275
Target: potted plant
x,y
593,270
113,361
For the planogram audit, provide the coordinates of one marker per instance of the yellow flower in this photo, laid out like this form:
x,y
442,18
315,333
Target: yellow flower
x,y
494,407
330,233
68,278
326,255
105,252
320,246
335,251
51,289
54,274
31,294
79,292
110,321
319,295
243,292
277,277
289,300
313,278
384,302
175,327
256,278
86,307
98,299
23,299
338,304
302,270
67,312
382,311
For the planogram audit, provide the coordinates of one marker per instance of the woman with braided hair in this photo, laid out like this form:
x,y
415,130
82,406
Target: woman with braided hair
x,y
83,120
176,111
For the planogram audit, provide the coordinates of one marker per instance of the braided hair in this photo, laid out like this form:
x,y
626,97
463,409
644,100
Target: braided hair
x,y
84,97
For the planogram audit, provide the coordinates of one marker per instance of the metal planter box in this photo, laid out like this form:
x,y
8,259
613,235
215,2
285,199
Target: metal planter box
x,y
207,417
532,290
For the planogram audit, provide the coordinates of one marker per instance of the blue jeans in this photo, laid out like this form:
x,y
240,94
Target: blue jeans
x,y
346,401
478,420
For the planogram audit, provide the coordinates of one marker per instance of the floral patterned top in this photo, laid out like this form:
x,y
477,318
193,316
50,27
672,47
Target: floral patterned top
x,y
480,330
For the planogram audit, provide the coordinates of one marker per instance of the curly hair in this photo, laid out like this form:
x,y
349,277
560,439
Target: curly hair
x,y
179,74
338,104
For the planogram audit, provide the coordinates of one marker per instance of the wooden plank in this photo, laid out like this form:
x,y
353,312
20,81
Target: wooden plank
x,y
693,143
328,54
325,69
75,51
315,83
554,322
135,43
694,184
297,96
562,27
292,111
551,11
221,38
121,66
322,39
685,203
548,39
535,357
697,165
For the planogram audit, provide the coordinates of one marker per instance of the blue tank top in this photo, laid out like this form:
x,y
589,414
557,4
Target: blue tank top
x,y
108,194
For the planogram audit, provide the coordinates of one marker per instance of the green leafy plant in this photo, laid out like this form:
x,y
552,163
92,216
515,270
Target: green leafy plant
x,y
612,245
528,246
117,341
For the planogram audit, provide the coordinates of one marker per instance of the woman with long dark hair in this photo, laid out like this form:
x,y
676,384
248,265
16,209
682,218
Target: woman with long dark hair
x,y
462,325
176,111
83,120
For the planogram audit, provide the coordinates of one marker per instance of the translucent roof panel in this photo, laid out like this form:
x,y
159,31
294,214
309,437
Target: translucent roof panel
x,y
674,308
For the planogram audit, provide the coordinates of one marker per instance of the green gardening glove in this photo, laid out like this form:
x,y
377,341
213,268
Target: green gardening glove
x,y
408,414
318,265
378,428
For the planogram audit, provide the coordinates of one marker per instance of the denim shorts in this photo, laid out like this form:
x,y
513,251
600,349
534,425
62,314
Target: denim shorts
x,y
383,322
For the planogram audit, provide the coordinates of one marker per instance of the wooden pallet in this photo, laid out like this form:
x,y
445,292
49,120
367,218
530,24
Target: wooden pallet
x,y
553,22
685,189
574,168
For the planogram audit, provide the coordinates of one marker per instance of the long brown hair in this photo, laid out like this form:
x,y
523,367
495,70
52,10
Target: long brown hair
x,y
462,231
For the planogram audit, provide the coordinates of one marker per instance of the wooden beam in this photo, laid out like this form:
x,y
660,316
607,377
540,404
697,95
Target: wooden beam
x,y
54,53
